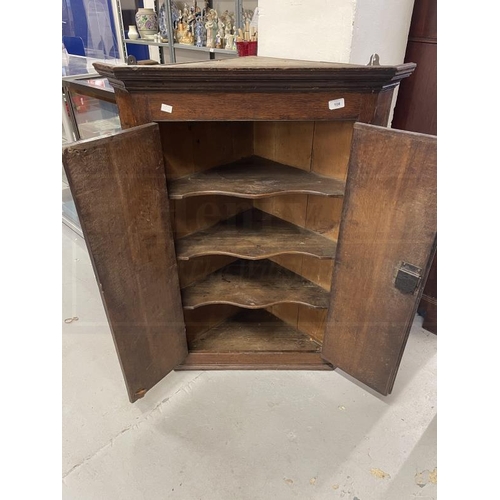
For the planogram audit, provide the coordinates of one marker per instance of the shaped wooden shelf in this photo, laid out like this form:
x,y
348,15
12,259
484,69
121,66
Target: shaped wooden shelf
x,y
254,177
254,331
254,285
254,235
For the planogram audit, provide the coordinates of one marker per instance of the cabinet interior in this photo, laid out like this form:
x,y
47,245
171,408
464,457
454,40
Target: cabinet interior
x,y
256,209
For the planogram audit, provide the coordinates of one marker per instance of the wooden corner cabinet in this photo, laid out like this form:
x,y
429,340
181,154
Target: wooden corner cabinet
x,y
256,213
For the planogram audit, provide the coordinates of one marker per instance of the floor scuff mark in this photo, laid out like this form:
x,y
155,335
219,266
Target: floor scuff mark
x,y
379,474
425,477
156,410
433,476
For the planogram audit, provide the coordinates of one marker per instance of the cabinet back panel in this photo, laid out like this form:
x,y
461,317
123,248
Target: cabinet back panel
x,y
331,148
289,313
200,320
253,331
323,215
321,147
318,271
200,212
289,143
267,334
198,268
312,322
203,318
190,147
290,207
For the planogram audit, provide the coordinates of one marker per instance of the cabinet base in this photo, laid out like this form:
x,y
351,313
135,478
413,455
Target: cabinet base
x,y
254,361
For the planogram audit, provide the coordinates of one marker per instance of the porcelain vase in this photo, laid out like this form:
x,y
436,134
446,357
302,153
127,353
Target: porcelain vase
x,y
133,33
147,23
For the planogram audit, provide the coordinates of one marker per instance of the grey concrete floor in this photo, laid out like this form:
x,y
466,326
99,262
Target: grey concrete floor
x,y
237,434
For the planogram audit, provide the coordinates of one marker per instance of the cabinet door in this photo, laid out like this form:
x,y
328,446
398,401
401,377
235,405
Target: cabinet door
x,y
386,243
119,188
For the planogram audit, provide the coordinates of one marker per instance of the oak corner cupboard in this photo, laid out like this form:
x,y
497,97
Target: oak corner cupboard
x,y
256,213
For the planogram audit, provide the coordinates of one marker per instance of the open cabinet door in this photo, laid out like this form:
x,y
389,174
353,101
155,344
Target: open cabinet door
x,y
119,188
386,242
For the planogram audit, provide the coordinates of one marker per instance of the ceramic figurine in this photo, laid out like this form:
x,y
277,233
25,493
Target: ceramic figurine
x,y
174,14
229,41
211,27
199,32
190,17
220,35
185,14
229,26
184,34
162,23
226,18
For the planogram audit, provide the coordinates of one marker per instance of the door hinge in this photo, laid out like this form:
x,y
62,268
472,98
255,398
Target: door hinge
x,y
408,278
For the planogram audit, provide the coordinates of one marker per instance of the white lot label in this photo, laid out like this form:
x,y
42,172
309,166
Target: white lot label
x,y
168,109
336,103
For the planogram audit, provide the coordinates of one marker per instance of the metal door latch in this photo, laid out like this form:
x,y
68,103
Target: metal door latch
x,y
408,278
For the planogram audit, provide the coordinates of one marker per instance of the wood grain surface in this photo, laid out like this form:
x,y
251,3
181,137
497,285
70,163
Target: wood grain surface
x,y
254,285
119,187
254,105
198,213
257,360
255,177
279,109
250,331
204,318
252,73
254,235
416,108
389,217
190,147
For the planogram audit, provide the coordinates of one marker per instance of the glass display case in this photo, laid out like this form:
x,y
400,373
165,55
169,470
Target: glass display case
x,y
186,47
88,110
91,106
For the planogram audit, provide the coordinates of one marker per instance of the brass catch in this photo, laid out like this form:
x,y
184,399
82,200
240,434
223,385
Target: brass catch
x,y
408,278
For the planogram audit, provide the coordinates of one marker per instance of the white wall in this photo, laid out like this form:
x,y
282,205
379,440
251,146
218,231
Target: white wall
x,y
381,26
314,30
335,30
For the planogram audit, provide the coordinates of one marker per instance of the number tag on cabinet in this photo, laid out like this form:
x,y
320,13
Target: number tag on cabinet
x,y
336,103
